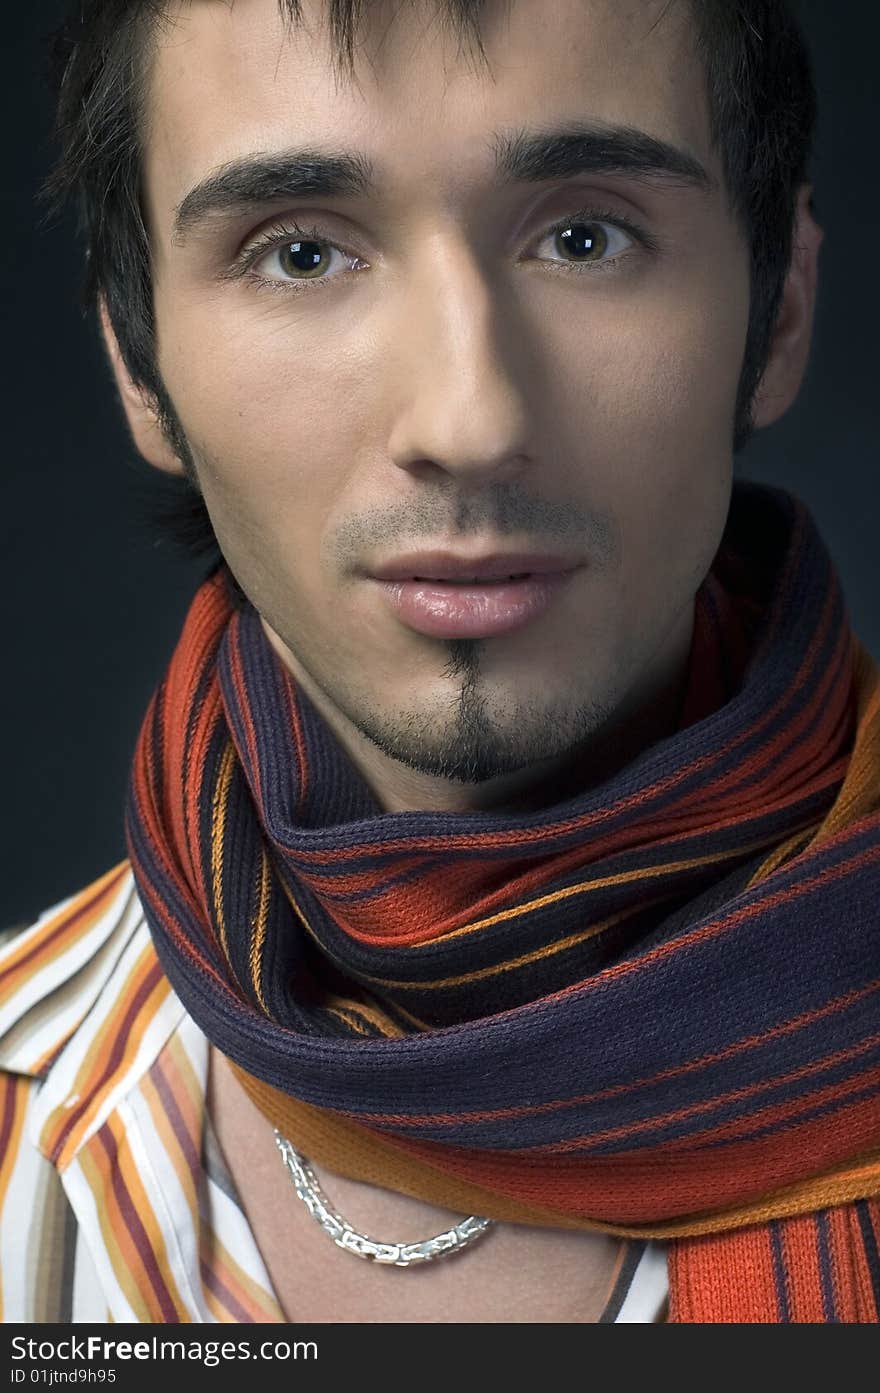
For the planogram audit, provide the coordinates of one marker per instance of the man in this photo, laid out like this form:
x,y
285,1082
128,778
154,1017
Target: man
x,y
504,832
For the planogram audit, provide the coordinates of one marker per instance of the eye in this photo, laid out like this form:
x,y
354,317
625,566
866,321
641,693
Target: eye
x,y
285,256
586,240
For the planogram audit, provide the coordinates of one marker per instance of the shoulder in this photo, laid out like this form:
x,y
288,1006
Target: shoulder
x,y
52,972
84,1009
66,1056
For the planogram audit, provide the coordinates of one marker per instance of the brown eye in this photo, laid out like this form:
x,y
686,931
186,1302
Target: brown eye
x,y
296,257
301,258
584,242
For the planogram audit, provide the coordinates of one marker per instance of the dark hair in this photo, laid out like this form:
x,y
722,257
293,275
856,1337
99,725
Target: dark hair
x,y
762,108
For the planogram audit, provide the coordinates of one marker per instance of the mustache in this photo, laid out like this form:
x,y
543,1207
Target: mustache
x,y
533,524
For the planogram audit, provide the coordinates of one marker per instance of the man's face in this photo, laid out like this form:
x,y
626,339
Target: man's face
x,y
434,368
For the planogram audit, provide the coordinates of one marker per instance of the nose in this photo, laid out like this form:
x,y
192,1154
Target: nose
x,y
460,408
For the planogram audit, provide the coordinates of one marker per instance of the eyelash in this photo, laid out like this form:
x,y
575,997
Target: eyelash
x,y
273,237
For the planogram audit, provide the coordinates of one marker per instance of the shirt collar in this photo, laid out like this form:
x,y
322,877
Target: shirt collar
x,y
85,1008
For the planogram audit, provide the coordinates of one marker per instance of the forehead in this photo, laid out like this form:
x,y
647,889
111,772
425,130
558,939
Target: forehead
x,y
230,77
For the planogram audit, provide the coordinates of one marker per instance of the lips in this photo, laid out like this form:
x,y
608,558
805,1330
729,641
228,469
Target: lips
x,y
446,595
455,609
456,569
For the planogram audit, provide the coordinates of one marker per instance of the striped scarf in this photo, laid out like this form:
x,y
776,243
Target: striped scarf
x,y
652,1010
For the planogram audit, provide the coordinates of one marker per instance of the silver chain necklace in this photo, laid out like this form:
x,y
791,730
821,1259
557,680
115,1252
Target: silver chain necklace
x,y
308,1187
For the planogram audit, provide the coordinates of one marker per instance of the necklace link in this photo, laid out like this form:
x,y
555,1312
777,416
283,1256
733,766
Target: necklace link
x,y
308,1187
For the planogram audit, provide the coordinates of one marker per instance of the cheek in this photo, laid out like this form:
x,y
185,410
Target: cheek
x,y
276,443
682,461
650,390
669,368
652,433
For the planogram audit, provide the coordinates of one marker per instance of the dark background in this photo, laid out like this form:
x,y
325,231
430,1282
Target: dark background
x,y
93,601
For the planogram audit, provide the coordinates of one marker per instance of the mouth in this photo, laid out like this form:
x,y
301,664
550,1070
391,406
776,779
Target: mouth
x,y
473,580
456,597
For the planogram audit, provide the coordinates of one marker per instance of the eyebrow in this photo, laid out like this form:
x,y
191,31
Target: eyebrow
x,y
520,156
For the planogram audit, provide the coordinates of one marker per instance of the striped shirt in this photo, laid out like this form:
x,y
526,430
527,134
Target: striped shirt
x,y
115,1200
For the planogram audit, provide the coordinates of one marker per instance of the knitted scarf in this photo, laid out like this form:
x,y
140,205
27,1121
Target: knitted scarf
x,y
651,1010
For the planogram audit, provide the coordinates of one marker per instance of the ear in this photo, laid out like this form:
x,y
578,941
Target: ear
x,y
790,348
138,405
